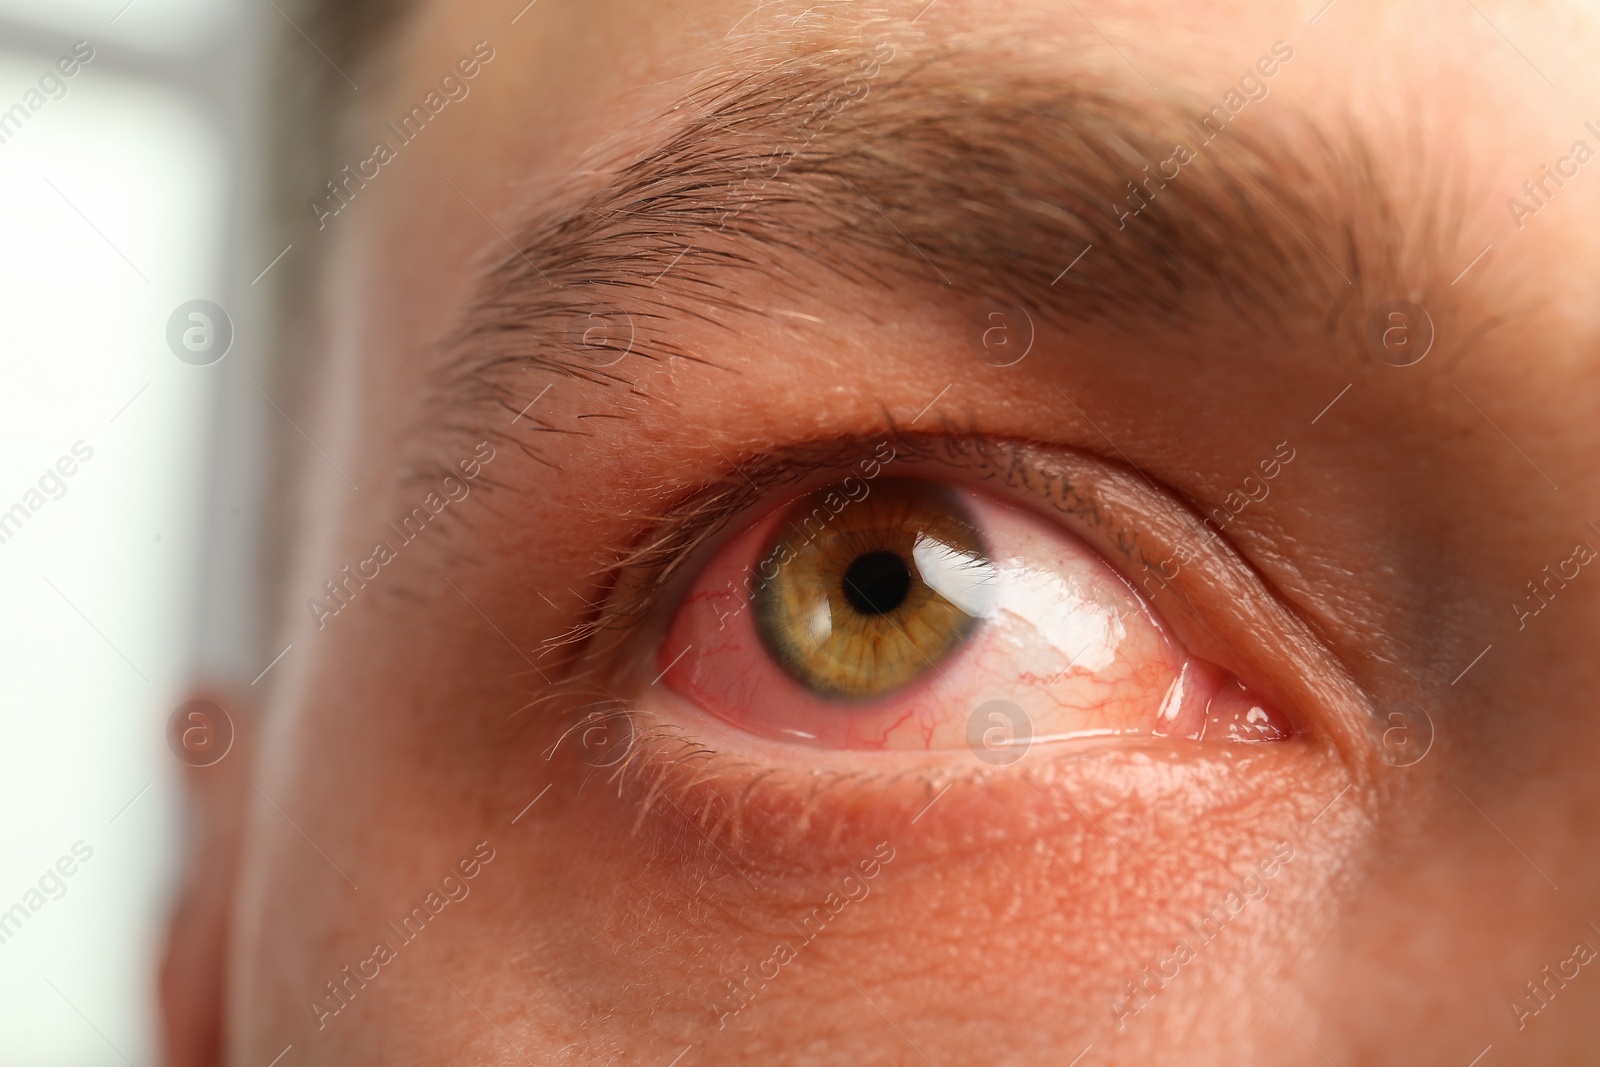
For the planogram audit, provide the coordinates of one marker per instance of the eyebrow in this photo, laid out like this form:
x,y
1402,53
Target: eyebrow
x,y
935,172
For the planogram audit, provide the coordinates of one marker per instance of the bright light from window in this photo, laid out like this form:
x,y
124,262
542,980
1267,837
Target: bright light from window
x,y
113,203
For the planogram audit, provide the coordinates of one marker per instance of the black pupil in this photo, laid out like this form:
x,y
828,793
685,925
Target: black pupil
x,y
877,582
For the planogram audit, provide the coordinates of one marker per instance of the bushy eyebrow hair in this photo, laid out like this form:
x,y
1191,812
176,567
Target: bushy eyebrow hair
x,y
945,172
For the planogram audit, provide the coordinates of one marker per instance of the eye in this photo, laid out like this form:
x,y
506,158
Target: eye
x,y
911,614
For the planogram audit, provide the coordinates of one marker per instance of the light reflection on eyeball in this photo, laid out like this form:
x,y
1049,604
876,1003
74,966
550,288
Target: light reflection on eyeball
x,y
880,621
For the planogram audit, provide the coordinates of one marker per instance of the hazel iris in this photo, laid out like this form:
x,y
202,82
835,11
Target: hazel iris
x,y
859,597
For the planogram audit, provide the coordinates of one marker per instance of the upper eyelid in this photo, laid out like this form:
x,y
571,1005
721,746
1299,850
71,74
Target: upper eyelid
x,y
639,581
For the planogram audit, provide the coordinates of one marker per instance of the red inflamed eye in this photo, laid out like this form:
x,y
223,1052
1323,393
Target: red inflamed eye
x,y
895,613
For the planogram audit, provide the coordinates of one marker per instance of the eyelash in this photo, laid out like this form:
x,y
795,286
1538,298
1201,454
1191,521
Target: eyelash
x,y
637,585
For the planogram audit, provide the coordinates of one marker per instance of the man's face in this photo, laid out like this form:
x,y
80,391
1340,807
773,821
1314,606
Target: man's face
x,y
947,533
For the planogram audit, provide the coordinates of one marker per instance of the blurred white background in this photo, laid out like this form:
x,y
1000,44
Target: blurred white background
x,y
119,201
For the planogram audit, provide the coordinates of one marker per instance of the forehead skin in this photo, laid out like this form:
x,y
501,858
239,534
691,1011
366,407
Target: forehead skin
x,y
1407,922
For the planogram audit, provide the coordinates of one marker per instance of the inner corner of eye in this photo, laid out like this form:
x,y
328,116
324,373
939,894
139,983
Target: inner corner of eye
x,y
907,613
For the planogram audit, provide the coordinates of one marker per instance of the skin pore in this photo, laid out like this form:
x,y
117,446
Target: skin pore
x,y
426,746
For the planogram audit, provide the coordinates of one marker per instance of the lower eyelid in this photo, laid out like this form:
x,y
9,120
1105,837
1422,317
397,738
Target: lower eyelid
x,y
769,812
